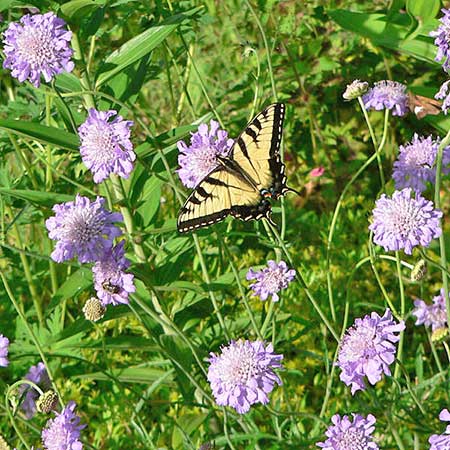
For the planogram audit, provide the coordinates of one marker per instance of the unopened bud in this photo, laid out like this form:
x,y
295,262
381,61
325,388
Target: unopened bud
x,y
419,270
47,402
355,89
3,444
439,334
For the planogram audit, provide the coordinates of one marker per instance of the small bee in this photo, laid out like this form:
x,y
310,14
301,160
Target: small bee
x,y
110,288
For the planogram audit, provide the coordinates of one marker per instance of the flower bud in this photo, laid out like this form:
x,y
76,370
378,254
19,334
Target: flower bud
x,y
419,270
47,402
355,89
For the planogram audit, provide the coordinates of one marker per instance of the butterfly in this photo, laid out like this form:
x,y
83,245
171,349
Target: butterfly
x,y
423,106
244,181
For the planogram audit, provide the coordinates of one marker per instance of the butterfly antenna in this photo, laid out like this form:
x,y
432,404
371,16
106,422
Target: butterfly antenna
x,y
288,189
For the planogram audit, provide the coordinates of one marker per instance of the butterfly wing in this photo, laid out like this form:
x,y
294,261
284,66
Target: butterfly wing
x,y
423,106
223,192
257,150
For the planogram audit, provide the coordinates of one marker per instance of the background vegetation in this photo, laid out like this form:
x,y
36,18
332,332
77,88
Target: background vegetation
x,y
136,381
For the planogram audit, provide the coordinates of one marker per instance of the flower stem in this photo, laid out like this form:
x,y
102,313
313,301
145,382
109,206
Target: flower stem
x,y
127,218
437,203
402,314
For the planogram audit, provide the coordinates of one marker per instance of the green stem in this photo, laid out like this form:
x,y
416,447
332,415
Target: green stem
x,y
437,203
127,218
32,335
27,270
24,160
304,285
402,314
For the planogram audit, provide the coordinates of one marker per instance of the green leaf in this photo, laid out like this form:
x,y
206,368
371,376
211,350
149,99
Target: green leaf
x,y
187,424
41,133
373,26
147,375
79,8
140,46
425,10
38,197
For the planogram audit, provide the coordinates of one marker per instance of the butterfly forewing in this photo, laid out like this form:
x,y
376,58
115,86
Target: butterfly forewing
x,y
257,150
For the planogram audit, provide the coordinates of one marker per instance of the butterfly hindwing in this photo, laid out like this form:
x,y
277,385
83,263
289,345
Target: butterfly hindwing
x,y
235,187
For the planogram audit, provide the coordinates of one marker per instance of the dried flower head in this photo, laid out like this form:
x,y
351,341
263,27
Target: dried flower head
x,y
63,432
345,434
112,283
271,279
38,375
37,45
419,270
444,94
402,222
200,158
47,402
4,347
442,41
243,374
441,441
434,315
355,89
439,334
415,165
93,309
367,350
82,228
106,147
387,94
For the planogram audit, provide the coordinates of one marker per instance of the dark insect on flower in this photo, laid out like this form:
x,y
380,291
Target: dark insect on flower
x,y
110,288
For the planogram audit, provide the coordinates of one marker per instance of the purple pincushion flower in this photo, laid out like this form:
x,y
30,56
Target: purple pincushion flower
x,y
38,375
82,228
4,348
402,222
434,315
444,94
243,374
350,435
200,158
415,165
387,94
112,283
105,144
63,432
441,441
367,350
442,41
37,45
271,279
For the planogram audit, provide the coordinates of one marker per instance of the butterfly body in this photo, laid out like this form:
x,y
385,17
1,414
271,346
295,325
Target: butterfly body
x,y
244,181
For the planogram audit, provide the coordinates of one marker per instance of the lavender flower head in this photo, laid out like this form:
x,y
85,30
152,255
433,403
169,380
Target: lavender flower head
x,y
37,374
350,435
105,144
37,45
444,94
4,347
243,374
402,222
441,441
442,41
434,315
367,350
387,94
415,165
200,158
112,283
271,279
63,432
82,228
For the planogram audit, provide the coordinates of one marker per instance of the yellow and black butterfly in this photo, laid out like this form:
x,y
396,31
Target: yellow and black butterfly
x,y
244,180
